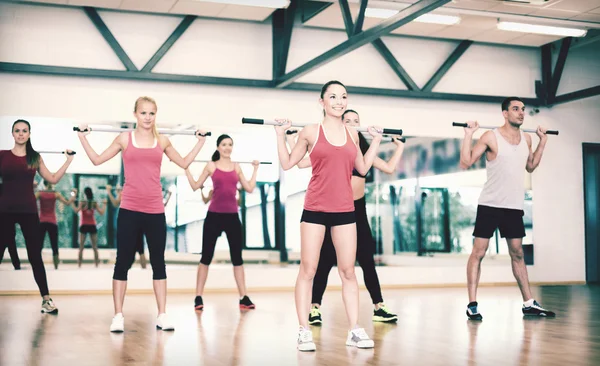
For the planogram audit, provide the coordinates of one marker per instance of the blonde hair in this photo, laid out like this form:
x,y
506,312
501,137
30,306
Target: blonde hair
x,y
149,100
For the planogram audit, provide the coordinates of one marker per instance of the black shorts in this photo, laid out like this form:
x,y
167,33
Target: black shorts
x,y
88,229
328,219
508,220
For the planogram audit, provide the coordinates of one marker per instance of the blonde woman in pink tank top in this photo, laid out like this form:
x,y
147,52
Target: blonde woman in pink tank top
x,y
142,209
222,216
333,150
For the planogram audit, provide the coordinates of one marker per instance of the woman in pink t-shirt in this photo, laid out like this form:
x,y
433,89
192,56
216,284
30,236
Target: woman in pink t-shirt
x,y
87,223
222,216
142,210
48,224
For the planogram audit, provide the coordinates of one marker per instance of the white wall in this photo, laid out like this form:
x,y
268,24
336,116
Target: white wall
x,y
557,185
558,209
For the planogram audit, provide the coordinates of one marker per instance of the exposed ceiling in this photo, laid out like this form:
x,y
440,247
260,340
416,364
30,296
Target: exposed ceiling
x,y
478,17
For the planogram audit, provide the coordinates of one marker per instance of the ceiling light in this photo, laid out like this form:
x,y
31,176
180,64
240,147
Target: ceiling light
x,y
438,19
425,18
541,29
274,4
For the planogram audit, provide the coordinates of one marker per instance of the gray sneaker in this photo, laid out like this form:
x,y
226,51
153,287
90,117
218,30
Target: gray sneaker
x,y
48,307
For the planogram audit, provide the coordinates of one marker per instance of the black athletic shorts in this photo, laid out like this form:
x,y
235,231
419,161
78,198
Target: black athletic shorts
x,y
508,220
85,229
328,219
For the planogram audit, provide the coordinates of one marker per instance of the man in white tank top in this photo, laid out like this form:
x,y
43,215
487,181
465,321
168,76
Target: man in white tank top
x,y
508,155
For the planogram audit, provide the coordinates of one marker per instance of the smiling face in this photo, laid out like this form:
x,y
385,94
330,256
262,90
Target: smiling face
x,y
334,100
225,148
21,133
351,119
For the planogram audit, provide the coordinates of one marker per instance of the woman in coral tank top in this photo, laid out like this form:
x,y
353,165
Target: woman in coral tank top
x,y
87,223
329,204
222,216
142,211
48,224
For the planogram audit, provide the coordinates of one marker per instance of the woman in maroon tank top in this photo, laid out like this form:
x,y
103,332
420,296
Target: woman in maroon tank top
x,y
333,150
18,205
142,210
222,216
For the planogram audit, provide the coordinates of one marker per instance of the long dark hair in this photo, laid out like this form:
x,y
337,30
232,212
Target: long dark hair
x,y
362,141
90,197
32,156
216,155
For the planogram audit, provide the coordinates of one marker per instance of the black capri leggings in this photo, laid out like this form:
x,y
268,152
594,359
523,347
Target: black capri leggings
x,y
11,245
214,224
52,230
130,226
365,250
30,226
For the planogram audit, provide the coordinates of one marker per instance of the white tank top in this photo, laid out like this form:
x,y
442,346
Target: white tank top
x,y
505,185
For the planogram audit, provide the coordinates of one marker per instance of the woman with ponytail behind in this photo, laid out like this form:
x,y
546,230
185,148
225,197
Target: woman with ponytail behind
x,y
87,223
222,216
18,204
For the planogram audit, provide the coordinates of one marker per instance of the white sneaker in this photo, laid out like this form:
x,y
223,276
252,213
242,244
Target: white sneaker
x,y
163,322
358,338
305,340
118,324
48,307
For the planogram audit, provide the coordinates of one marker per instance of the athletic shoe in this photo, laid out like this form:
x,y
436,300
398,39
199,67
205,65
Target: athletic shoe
x,y
472,312
163,322
245,303
198,304
305,340
358,338
315,316
383,314
48,307
118,324
537,310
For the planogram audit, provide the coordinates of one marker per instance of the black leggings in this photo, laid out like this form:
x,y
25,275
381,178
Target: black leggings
x,y
30,226
214,224
365,250
52,230
131,225
11,245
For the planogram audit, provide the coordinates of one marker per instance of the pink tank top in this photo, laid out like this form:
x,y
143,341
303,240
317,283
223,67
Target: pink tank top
x,y
48,207
329,189
224,187
142,191
87,217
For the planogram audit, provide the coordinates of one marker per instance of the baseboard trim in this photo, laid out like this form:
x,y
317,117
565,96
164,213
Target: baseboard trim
x,y
285,288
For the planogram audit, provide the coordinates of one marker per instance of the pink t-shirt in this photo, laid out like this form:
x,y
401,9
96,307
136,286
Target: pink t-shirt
x,y
329,189
48,207
142,191
224,188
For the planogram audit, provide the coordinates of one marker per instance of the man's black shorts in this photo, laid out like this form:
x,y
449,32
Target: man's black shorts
x,y
508,220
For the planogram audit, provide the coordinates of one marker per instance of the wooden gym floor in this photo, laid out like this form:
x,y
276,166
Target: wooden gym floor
x,y
432,330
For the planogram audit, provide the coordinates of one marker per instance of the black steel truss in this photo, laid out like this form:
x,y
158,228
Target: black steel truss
x,y
110,39
283,22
